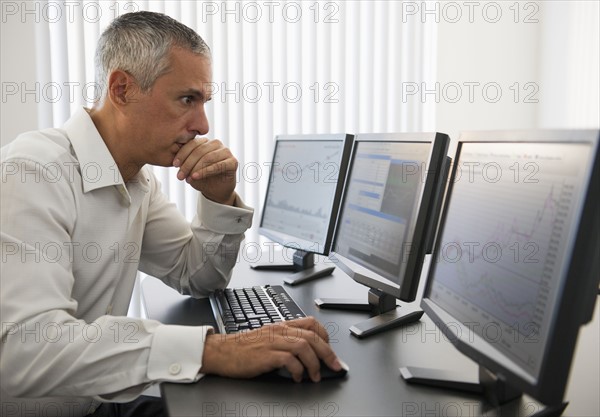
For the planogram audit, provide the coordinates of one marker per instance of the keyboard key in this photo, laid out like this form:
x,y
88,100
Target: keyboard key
x,y
250,308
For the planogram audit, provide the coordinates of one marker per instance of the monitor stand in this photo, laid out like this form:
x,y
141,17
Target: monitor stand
x,y
497,392
387,314
303,264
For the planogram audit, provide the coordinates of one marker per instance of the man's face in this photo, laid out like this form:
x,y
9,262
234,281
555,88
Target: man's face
x,y
172,112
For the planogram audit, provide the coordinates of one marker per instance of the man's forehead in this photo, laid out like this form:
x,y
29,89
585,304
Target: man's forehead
x,y
190,71
190,61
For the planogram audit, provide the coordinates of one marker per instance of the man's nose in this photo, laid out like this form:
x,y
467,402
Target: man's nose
x,y
200,122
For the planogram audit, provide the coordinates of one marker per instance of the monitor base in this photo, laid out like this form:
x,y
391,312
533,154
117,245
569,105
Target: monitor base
x,y
501,396
303,265
342,304
309,274
386,321
381,305
275,260
273,267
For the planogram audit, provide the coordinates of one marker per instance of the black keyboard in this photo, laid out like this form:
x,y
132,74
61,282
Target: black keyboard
x,y
239,309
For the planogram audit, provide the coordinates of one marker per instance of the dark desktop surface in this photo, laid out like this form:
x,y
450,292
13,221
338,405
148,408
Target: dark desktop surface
x,y
373,386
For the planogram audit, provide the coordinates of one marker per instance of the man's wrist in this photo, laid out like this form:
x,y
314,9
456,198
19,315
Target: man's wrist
x,y
231,200
227,201
208,355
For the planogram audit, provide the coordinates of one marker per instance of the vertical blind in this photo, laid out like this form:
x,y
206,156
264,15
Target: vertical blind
x,y
278,68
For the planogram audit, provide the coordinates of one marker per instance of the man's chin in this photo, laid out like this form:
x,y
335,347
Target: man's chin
x,y
166,159
163,159
163,163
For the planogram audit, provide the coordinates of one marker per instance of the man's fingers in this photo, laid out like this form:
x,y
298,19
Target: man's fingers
x,y
307,346
216,163
310,323
193,152
300,353
309,359
189,155
187,149
291,363
209,167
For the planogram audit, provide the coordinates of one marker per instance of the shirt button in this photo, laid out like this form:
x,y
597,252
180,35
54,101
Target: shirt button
x,y
239,219
174,368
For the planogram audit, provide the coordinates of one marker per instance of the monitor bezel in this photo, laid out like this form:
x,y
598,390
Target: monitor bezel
x,y
573,309
284,239
406,290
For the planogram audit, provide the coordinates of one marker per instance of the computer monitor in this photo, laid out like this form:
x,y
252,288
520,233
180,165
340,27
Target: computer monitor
x,y
302,200
385,222
515,270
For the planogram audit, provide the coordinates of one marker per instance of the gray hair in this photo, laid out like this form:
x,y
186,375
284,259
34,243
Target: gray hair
x,y
139,43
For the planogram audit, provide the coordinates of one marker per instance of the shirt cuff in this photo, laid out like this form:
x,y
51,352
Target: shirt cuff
x,y
176,353
224,219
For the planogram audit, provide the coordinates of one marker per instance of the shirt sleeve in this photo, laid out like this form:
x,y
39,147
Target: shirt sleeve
x,y
46,349
198,258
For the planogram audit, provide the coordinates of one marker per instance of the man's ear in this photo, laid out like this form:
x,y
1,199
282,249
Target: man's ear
x,y
122,88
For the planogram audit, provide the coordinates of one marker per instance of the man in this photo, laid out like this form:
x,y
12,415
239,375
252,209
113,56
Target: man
x,y
81,214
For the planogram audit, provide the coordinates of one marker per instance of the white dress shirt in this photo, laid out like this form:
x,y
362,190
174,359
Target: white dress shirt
x,y
73,236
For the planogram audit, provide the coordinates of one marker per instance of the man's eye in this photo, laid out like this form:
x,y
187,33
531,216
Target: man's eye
x,y
187,100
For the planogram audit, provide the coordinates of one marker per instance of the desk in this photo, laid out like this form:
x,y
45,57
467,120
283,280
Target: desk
x,y
373,386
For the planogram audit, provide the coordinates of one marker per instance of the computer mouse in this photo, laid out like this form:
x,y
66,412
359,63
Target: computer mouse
x,y
326,372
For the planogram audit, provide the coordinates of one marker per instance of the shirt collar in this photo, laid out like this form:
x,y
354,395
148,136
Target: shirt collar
x,y
98,167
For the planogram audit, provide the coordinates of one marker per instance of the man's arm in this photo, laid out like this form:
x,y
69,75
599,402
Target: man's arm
x,y
47,349
198,258
210,168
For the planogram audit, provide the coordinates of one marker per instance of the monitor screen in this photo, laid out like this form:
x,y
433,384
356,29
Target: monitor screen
x,y
386,222
512,275
381,231
305,186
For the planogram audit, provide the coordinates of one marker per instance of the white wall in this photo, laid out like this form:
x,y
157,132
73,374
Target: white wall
x,y
554,61
542,56
494,61
18,111
570,65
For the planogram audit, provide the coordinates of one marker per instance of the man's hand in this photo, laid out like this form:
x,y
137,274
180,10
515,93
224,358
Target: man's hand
x,y
209,167
295,345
